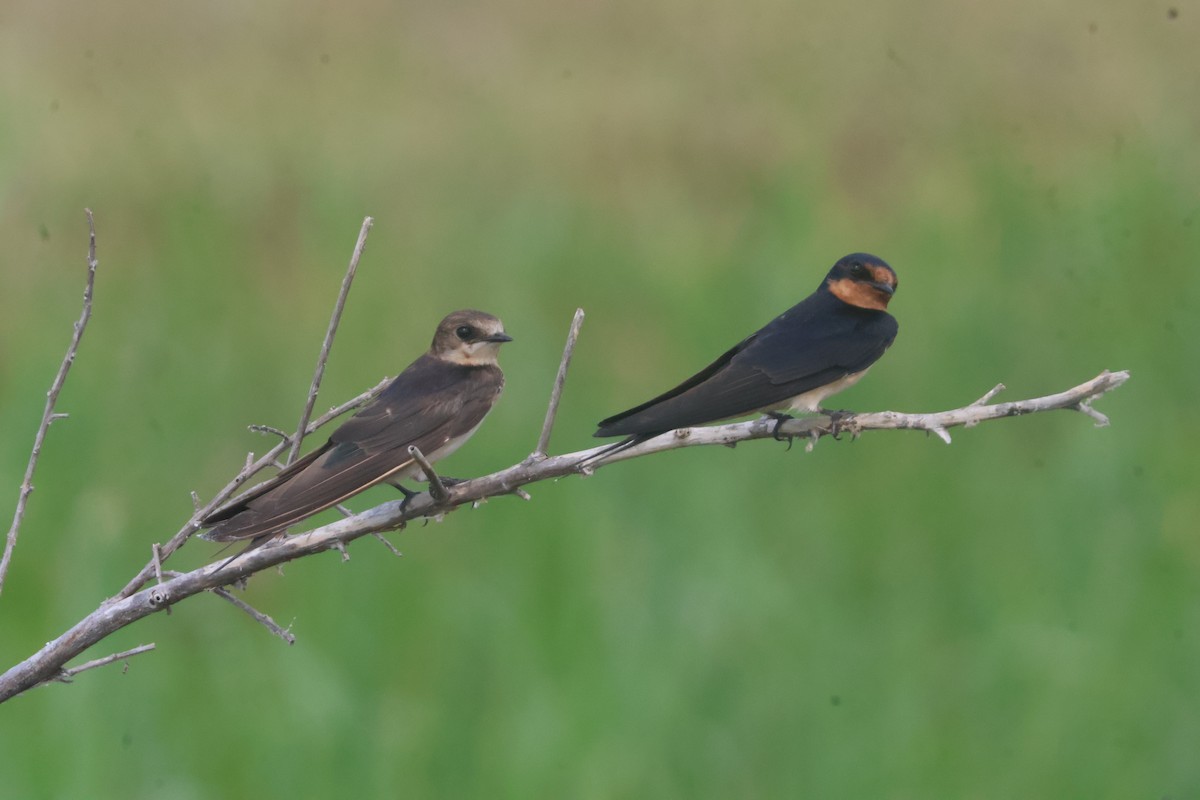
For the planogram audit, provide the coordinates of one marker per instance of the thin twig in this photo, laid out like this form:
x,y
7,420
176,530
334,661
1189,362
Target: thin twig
x,y
341,548
437,489
560,380
329,334
352,403
273,431
1086,408
987,398
66,675
48,415
256,615
158,570
388,544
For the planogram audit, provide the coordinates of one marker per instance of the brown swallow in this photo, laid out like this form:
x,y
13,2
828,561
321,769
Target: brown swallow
x,y
436,403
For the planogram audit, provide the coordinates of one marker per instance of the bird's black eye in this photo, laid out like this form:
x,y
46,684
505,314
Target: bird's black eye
x,y
859,269
464,332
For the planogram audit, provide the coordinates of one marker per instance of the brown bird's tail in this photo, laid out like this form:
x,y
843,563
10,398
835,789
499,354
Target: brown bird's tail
x,y
245,524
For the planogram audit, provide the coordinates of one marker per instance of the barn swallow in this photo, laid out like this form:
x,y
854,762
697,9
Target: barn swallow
x,y
820,346
436,403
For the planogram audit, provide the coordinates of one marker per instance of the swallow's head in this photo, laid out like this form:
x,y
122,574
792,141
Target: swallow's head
x,y
862,280
469,337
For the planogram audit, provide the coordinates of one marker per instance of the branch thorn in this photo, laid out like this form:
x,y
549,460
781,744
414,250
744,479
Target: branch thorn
x,y
995,390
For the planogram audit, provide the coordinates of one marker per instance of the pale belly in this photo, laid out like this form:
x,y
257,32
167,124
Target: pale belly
x,y
811,401
437,455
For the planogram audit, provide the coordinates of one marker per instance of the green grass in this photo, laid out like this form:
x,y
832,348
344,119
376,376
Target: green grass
x,y
1011,616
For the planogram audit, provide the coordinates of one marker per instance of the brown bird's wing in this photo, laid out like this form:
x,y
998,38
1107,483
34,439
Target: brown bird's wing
x,y
813,344
239,504
429,405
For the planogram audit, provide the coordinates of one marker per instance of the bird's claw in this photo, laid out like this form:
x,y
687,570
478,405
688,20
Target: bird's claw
x,y
837,420
409,494
781,418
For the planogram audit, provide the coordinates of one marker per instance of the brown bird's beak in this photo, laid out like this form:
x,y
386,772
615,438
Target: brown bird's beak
x,y
499,338
886,288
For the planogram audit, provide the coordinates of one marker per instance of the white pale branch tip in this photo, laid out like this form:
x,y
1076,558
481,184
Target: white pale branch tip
x,y
995,390
1086,408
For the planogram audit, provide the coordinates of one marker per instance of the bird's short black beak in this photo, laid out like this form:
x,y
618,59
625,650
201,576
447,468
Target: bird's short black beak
x,y
886,288
498,338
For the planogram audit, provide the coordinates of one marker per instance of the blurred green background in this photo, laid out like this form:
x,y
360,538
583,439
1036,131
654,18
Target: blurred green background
x,y
1016,615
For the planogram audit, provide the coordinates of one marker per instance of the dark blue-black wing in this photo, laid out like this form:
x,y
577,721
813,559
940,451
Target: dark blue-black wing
x,y
809,346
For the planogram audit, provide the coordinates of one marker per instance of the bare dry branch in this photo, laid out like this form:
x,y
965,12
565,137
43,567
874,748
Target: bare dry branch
x,y
114,615
65,675
338,307
49,415
269,429
258,616
388,544
560,381
987,398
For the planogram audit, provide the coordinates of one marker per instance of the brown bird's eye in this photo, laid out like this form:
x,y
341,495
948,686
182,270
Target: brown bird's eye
x,y
858,269
463,332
